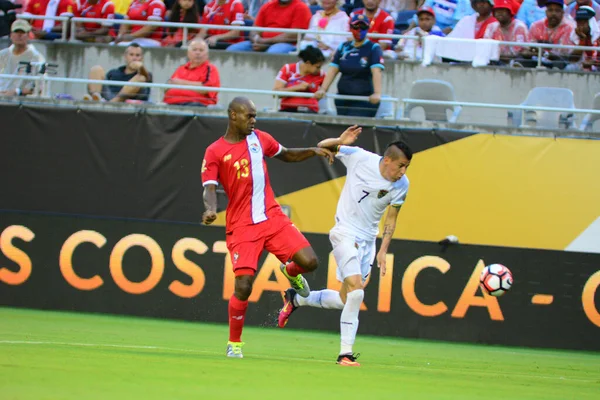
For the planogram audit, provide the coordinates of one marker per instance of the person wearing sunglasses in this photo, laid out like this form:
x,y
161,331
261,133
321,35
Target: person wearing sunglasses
x,y
360,63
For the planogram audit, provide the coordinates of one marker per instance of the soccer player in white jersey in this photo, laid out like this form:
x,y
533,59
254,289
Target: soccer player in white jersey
x,y
372,184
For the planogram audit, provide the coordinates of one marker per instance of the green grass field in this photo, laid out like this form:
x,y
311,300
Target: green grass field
x,y
52,355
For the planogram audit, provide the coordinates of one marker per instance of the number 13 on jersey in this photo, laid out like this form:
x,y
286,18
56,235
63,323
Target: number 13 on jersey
x,y
242,168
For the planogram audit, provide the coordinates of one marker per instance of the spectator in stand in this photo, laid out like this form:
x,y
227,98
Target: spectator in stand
x,y
146,35
91,31
132,71
252,8
48,29
395,6
198,71
290,14
507,29
183,11
413,49
20,50
575,5
447,13
360,63
474,26
329,19
305,76
121,6
586,33
531,11
222,12
556,28
381,22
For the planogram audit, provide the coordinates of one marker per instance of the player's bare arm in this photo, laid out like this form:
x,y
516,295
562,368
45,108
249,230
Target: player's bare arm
x,y
389,227
297,155
210,204
347,138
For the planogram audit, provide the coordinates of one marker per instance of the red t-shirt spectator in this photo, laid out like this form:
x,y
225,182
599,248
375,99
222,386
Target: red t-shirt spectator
x,y
147,10
515,32
206,73
65,8
294,15
230,13
382,23
540,32
104,9
177,36
290,74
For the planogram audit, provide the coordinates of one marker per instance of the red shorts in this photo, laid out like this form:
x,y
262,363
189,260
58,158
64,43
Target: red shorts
x,y
276,235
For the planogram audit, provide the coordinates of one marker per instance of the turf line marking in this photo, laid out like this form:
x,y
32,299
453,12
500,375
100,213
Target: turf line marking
x,y
216,353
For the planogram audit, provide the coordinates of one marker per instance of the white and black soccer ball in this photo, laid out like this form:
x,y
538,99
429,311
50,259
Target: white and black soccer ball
x,y
496,279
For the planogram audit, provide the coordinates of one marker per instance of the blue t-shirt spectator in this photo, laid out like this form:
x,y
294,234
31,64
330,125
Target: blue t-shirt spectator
x,y
529,12
355,65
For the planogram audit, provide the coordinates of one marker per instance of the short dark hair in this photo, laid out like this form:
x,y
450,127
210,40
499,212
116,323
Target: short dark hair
x,y
135,45
402,147
312,55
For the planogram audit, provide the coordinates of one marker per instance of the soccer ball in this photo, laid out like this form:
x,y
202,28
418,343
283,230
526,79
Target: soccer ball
x,y
496,279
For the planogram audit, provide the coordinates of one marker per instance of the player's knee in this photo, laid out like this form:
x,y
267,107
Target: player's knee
x,y
311,262
243,287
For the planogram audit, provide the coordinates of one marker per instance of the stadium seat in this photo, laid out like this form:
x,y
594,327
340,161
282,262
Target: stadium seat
x,y
403,19
545,97
315,8
433,89
386,109
588,121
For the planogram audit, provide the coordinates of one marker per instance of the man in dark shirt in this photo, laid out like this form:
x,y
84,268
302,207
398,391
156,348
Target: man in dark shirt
x,y
132,71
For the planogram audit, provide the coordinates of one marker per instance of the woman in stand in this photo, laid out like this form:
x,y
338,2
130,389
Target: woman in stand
x,y
184,11
329,19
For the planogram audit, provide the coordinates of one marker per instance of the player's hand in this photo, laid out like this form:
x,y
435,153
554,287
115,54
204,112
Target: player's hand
x,y
375,98
381,262
209,217
319,151
350,135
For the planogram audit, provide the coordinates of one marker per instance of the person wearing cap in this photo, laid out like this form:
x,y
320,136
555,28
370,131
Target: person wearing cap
x,y
447,13
20,50
556,28
360,63
575,5
507,29
586,33
474,26
381,21
413,49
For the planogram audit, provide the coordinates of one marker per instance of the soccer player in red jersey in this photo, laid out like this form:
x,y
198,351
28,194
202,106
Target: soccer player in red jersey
x,y
254,219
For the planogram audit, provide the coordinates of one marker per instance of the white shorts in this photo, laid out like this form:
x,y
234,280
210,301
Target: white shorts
x,y
353,256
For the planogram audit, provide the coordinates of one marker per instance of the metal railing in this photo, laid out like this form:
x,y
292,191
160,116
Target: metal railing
x,y
299,32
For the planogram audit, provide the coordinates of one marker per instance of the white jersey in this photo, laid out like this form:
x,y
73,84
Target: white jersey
x,y
366,194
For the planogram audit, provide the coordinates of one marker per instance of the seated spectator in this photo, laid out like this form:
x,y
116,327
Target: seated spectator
x,y
413,49
393,7
587,33
507,29
290,14
556,28
20,50
198,71
381,22
474,26
252,8
222,12
146,36
121,6
575,5
48,29
92,31
531,11
305,76
447,13
329,19
360,63
132,71
183,11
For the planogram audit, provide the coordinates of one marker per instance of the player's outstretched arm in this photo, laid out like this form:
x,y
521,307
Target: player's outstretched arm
x,y
210,204
389,227
347,138
297,155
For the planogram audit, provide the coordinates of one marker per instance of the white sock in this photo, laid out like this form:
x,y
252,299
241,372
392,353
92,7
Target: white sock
x,y
325,298
349,320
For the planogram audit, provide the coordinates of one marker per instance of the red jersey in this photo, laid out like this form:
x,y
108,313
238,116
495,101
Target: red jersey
x,y
230,13
242,170
540,32
382,23
515,32
293,15
206,73
147,10
104,9
290,74
65,8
